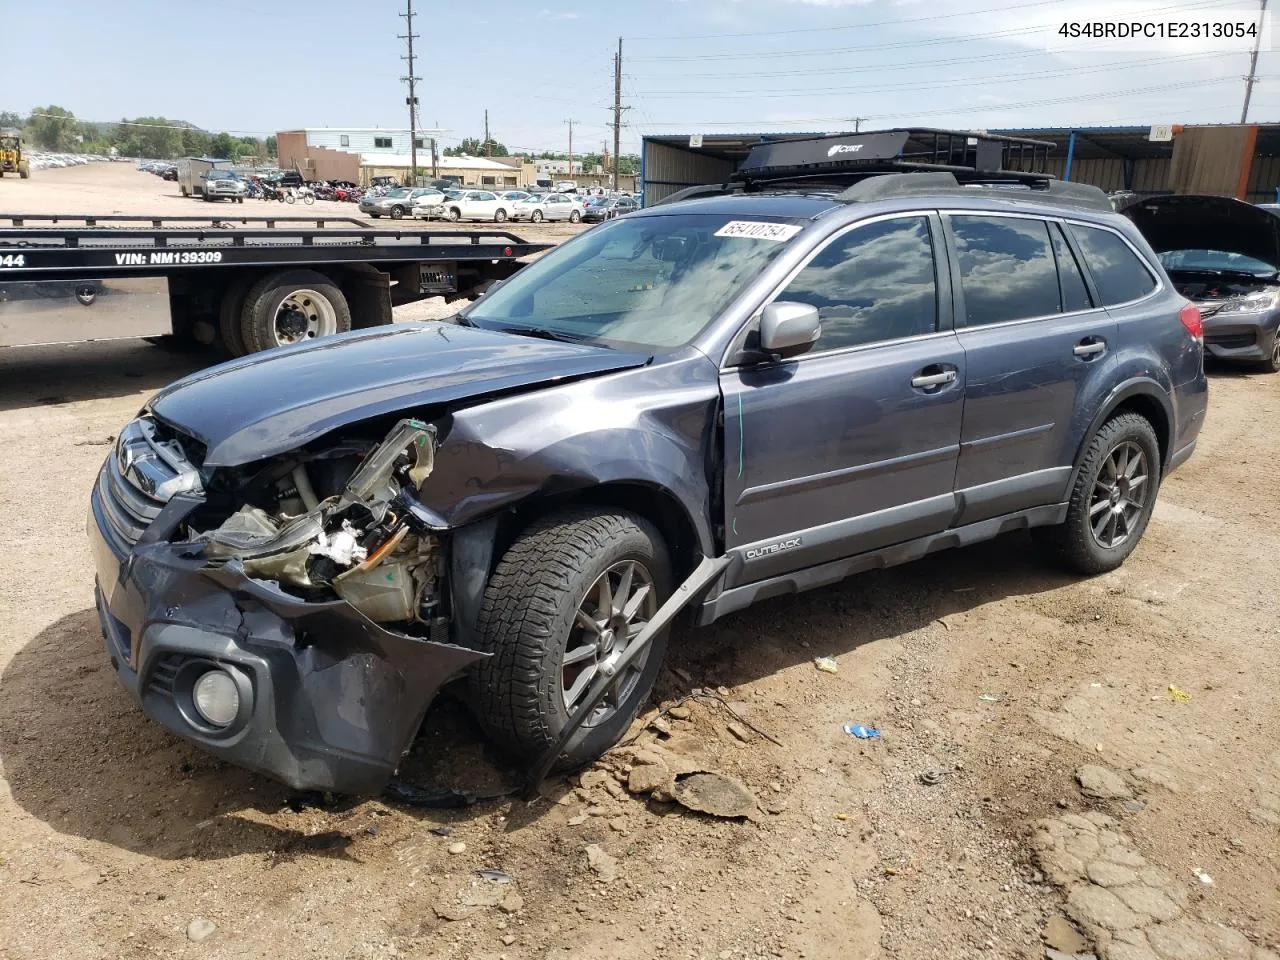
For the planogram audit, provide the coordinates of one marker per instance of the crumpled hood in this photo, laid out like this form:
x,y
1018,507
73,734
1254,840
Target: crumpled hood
x,y
1208,223
273,402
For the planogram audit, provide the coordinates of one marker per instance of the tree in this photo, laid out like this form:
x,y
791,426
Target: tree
x,y
154,137
10,120
222,146
53,128
475,147
195,143
271,146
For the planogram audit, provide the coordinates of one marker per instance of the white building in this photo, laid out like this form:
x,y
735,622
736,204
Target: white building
x,y
366,139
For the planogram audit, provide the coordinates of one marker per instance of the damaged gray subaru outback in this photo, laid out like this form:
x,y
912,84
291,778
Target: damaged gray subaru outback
x,y
826,366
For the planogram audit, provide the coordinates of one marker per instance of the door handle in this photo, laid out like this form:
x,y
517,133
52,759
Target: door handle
x,y
1089,348
924,380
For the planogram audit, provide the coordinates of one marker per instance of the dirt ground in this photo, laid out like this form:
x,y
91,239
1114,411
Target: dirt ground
x,y
961,832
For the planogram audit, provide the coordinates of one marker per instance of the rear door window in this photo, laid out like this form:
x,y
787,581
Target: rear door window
x,y
1118,273
1007,269
874,283
1075,295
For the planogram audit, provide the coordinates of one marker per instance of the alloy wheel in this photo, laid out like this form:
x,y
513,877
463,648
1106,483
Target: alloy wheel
x,y
615,609
1119,494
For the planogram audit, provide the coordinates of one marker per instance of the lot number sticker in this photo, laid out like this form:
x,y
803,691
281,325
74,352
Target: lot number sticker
x,y
756,230
10,260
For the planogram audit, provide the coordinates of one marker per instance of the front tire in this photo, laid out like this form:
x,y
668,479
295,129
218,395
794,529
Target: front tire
x,y
1111,502
536,216
397,213
455,215
568,594
1272,363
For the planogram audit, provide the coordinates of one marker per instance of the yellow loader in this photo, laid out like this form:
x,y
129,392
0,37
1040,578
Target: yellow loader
x,y
11,158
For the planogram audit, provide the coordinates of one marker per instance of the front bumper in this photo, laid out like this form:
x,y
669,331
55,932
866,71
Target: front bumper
x,y
330,700
1241,336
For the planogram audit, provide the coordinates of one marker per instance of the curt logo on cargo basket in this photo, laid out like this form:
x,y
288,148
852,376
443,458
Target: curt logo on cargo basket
x,y
844,148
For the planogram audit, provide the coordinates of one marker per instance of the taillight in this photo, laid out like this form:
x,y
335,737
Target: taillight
x,y
1191,319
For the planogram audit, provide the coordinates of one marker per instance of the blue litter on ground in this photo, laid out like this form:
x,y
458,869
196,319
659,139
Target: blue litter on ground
x,y
861,732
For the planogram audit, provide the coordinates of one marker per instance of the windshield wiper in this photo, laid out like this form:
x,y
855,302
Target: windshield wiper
x,y
542,333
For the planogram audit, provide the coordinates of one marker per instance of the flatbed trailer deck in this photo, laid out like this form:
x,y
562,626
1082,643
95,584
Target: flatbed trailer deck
x,y
248,282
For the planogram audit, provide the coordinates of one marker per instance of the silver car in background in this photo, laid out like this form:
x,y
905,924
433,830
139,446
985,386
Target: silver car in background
x,y
395,203
548,206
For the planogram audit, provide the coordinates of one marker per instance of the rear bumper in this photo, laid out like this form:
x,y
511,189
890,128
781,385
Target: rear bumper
x,y
329,699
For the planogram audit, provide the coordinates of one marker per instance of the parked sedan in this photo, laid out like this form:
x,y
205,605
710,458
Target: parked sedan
x,y
606,208
1224,256
472,205
550,206
395,203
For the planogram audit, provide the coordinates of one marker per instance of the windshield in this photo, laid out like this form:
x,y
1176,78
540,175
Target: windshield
x,y
648,282
397,193
220,175
1214,260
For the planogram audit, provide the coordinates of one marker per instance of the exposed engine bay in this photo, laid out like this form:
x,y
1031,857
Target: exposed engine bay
x,y
1196,285
370,541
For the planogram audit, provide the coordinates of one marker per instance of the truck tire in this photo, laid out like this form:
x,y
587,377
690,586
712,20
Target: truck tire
x,y
230,310
533,619
24,171
1115,490
292,307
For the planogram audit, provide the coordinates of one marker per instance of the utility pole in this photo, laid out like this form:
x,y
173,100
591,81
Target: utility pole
x,y
570,123
412,99
857,124
617,112
1253,65
488,149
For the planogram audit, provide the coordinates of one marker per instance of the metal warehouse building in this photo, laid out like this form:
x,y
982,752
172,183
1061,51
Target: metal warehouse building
x,y
1233,160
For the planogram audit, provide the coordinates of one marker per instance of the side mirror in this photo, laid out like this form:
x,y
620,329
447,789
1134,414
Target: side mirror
x,y
789,329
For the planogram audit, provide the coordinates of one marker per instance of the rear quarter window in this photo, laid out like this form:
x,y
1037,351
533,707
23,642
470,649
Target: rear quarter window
x,y
1118,272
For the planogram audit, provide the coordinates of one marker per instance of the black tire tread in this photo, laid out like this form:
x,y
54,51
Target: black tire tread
x,y
1069,543
518,617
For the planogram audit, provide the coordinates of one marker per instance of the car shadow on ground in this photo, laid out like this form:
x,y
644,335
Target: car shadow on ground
x,y
78,755
55,374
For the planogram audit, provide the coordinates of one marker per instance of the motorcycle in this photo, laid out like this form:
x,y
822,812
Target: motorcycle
x,y
305,194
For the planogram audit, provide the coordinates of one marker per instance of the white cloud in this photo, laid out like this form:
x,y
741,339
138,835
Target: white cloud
x,y
545,14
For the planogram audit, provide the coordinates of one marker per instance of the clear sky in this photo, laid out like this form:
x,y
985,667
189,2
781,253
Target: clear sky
x,y
689,66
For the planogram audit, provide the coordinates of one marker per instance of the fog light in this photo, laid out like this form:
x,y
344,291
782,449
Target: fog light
x,y
216,698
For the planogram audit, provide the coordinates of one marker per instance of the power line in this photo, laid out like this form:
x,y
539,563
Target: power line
x,y
849,26
913,85
750,124
897,44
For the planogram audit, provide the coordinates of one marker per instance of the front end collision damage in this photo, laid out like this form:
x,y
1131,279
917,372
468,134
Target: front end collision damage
x,y
342,612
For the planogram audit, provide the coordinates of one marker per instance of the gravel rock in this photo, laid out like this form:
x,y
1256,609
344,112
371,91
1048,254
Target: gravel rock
x,y
716,794
602,864
1061,935
457,848
647,777
1102,784
1100,908
200,929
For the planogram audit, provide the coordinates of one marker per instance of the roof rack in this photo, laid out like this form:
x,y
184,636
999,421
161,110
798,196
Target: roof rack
x,y
906,162
899,150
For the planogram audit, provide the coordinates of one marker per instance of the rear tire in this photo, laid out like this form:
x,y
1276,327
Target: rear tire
x,y
1075,543
499,216
575,217
258,323
529,619
229,316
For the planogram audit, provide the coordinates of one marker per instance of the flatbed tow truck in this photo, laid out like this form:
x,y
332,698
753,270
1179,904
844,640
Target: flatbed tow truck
x,y
249,283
